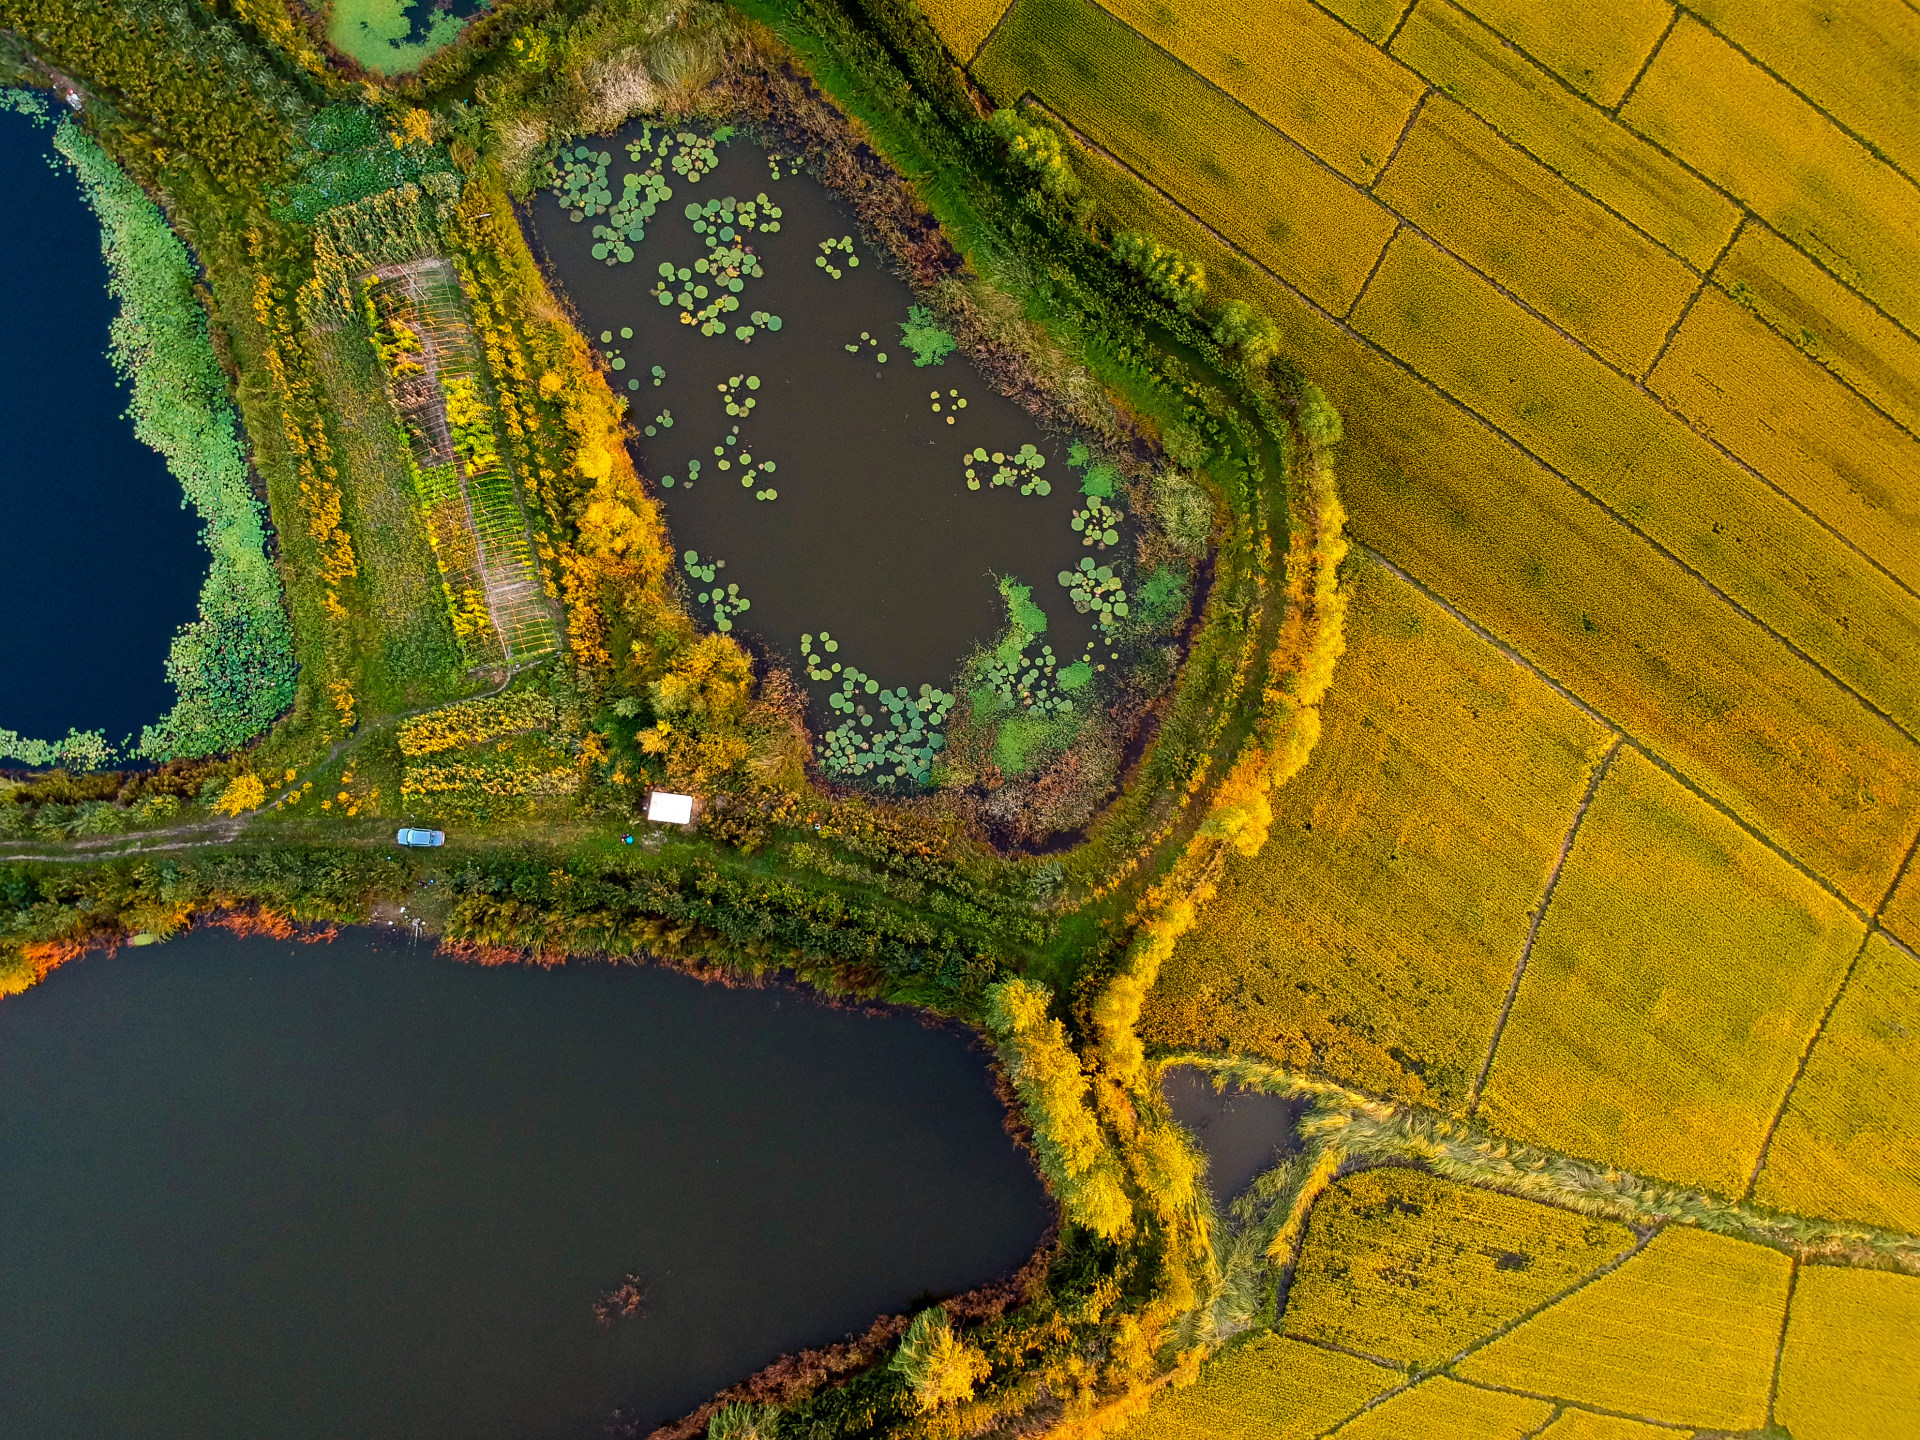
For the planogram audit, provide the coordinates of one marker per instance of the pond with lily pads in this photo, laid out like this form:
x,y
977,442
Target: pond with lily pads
x,y
844,489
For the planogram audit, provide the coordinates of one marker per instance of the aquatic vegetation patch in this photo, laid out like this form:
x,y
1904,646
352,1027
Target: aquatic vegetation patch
x,y
902,747
725,601
842,247
736,403
873,343
693,467
953,401
1100,480
662,421
1097,523
348,155
817,668
1097,591
929,343
1020,469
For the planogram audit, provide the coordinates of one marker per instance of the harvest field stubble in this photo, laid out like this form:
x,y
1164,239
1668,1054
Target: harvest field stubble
x,y
1631,390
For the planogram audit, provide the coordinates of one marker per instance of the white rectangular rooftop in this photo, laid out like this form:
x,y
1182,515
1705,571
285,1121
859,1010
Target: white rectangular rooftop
x,y
669,809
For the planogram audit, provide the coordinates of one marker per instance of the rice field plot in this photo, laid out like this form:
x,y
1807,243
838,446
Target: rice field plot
x,y
1443,1407
1586,1425
1868,352
963,24
1570,136
1373,939
1267,1388
1671,989
1597,48
1796,169
1783,414
1294,66
1412,1269
1848,1145
1847,1368
1901,914
1374,19
1683,1333
466,493
1859,62
1673,986
1593,426
1518,223
1627,630
1232,170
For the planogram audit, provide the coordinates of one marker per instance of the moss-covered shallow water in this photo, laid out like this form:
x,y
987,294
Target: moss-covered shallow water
x,y
867,505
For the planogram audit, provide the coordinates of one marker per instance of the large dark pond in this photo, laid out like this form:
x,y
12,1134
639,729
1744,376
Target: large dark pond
x,y
102,563
875,537
259,1190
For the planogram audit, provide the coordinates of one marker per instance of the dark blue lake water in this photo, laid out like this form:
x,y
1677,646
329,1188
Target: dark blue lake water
x,y
102,563
252,1190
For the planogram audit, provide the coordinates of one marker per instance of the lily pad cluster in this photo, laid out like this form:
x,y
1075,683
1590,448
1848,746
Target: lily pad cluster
x,y
736,403
873,342
1097,591
694,155
1097,523
901,748
953,400
1021,469
640,197
662,421
1038,683
719,220
579,177
753,472
659,378
725,601
693,473
615,361
829,248
817,668
762,320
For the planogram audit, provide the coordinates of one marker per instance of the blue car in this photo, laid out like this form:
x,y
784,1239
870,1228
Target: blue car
x,y
421,837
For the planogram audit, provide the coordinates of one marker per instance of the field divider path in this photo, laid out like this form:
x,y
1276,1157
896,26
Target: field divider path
x,y
1780,1350
1659,761
1640,380
1405,130
1445,1367
1874,927
1646,64
1539,918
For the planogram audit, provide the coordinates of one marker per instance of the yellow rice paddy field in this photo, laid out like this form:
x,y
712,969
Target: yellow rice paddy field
x,y
1846,1369
1534,235
1624,329
1683,1333
1675,982
1446,1407
1846,1146
1440,791
1408,1268
1268,1388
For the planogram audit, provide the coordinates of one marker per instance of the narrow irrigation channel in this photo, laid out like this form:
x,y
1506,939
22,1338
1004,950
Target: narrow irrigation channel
x,y
255,1188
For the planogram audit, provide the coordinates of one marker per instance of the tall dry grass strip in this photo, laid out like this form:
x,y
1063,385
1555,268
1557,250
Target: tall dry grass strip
x,y
1375,1132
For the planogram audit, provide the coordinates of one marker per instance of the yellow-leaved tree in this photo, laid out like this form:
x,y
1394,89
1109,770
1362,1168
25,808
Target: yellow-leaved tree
x,y
939,1367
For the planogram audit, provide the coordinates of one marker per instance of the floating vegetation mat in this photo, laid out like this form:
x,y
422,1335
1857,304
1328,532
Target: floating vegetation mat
x,y
1021,469
724,601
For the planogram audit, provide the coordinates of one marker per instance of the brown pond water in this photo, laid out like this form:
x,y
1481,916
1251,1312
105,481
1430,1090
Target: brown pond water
x,y
875,537
261,1191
